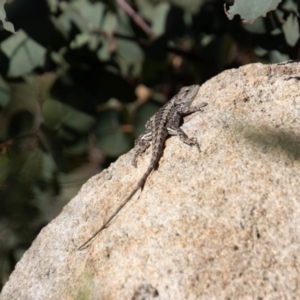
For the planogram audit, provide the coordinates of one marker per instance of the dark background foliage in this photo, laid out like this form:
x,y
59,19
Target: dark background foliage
x,y
79,79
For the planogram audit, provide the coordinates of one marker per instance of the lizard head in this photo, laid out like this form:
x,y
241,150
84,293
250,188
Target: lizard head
x,y
187,94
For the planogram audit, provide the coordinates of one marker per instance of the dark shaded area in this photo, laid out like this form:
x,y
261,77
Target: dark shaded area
x,y
293,77
271,139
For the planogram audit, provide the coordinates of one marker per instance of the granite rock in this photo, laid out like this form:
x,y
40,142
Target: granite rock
x,y
223,223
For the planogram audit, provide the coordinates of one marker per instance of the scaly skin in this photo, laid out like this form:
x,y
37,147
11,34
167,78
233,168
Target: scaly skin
x,y
165,122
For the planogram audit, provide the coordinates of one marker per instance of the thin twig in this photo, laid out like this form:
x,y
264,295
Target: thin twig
x,y
135,17
11,141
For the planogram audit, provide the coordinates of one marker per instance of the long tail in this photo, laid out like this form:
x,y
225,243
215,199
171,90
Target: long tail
x,y
139,185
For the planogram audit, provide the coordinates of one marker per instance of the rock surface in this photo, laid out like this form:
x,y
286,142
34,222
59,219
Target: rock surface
x,y
223,223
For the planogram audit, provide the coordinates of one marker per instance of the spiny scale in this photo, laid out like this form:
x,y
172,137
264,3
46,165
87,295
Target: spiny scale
x,y
165,122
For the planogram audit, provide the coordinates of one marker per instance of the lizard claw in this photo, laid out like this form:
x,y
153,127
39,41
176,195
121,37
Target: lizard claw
x,y
193,142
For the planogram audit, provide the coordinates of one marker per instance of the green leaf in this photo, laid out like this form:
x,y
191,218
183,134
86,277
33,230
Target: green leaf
x,y
249,10
78,148
291,6
258,26
4,167
80,40
276,57
109,23
4,93
24,53
110,139
291,30
57,114
147,8
129,53
54,146
159,22
85,15
53,5
130,57
190,6
143,114
6,25
114,144
91,12
24,95
64,23
103,53
109,26
259,51
21,124
31,167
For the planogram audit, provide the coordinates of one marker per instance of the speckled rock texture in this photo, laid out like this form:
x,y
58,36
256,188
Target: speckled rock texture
x,y
220,224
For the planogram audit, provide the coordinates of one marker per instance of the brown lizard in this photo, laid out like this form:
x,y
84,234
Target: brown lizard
x,y
165,122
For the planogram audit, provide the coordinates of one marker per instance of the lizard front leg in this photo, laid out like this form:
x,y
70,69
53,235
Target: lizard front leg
x,y
187,110
183,137
174,130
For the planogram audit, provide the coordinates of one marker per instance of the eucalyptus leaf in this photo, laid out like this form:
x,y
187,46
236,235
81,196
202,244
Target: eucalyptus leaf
x,y
143,114
31,167
110,139
54,146
4,167
190,6
291,30
65,22
146,9
21,124
109,23
92,13
53,5
4,93
25,54
277,57
67,135
108,122
48,167
85,15
114,144
6,25
130,57
24,96
57,114
258,26
159,22
103,53
259,51
291,6
93,42
251,10
129,53
78,148
80,40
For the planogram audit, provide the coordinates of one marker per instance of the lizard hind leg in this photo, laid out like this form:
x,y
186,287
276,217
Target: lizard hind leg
x,y
142,143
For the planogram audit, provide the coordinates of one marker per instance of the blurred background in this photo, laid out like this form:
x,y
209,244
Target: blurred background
x,y
80,78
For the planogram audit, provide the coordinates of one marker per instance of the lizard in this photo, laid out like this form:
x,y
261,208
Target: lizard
x,y
165,122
